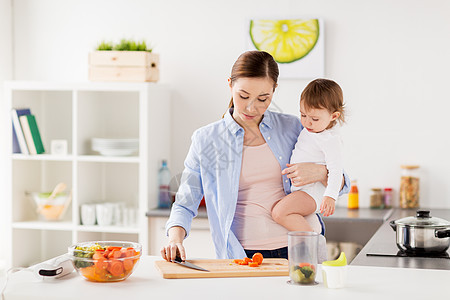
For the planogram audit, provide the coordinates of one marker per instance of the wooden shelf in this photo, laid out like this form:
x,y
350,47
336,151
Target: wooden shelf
x,y
112,229
44,157
114,159
77,112
42,225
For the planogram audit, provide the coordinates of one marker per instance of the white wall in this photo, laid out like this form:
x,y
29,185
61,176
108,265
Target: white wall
x,y
391,58
5,74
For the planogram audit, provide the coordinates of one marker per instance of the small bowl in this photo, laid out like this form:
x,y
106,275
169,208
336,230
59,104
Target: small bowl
x,y
105,261
53,210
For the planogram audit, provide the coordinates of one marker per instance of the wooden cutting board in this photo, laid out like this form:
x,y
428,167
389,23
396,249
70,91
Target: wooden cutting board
x,y
223,268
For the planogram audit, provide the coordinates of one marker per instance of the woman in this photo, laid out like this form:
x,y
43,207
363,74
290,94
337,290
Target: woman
x,y
238,165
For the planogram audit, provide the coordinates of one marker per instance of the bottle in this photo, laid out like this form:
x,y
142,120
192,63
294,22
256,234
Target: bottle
x,y
376,198
387,197
353,196
409,187
164,180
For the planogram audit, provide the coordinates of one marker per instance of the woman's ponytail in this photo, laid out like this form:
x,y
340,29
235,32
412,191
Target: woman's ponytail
x,y
231,105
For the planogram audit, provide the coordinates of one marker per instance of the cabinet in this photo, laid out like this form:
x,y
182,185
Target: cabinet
x,y
78,112
198,244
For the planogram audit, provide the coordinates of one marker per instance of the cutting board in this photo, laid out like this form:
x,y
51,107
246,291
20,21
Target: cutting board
x,y
223,268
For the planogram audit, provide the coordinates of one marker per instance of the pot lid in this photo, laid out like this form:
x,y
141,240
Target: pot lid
x,y
423,219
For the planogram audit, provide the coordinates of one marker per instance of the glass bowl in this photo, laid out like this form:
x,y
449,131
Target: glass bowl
x,y
51,210
105,261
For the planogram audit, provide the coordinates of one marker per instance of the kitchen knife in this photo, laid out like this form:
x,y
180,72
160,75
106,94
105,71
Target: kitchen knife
x,y
187,264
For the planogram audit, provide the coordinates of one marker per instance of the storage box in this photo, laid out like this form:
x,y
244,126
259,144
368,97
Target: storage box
x,y
123,66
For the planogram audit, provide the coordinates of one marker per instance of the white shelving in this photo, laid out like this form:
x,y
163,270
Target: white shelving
x,y
77,112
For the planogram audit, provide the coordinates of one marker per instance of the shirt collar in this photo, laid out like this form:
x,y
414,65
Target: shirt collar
x,y
267,119
234,127
230,123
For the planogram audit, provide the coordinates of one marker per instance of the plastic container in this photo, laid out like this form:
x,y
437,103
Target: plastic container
x,y
105,261
164,199
334,277
409,187
376,198
353,196
387,197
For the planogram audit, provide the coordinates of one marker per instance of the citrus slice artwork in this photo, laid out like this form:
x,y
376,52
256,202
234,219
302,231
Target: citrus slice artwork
x,y
287,40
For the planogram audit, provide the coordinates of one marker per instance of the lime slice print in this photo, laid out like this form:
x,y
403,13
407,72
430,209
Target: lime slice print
x,y
286,40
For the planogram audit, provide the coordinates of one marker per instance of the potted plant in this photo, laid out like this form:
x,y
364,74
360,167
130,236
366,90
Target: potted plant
x,y
125,61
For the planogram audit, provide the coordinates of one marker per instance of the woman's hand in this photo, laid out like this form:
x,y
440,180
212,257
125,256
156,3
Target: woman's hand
x,y
176,237
306,173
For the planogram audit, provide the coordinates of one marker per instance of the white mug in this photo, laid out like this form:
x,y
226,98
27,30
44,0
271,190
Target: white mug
x,y
88,214
105,213
333,250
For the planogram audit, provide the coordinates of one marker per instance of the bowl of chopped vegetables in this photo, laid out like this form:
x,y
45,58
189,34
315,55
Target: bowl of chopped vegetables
x,y
105,261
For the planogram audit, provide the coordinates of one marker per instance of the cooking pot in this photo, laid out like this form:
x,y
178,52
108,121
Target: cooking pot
x,y
422,233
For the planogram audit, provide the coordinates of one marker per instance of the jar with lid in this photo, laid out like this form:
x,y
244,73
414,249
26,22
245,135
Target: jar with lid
x,y
409,186
376,198
387,197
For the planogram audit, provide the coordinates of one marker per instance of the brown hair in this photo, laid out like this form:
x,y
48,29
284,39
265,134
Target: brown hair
x,y
254,64
324,94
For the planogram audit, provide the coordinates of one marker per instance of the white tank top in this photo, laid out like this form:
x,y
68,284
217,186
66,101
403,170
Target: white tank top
x,y
260,187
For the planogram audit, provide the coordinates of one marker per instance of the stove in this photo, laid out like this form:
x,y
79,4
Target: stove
x,y
391,249
400,253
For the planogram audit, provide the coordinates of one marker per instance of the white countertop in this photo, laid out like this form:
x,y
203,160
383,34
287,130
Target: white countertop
x,y
146,283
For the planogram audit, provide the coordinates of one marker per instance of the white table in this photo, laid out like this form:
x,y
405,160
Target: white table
x,y
146,283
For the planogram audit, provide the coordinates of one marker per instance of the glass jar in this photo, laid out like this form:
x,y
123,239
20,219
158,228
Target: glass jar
x,y
409,187
376,198
387,197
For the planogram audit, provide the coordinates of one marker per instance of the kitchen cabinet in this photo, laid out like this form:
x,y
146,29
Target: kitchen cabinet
x,y
78,112
199,243
340,228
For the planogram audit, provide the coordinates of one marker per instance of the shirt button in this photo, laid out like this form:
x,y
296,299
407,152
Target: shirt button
x,y
286,181
268,137
280,157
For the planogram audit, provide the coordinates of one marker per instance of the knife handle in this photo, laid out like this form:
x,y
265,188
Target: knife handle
x,y
178,256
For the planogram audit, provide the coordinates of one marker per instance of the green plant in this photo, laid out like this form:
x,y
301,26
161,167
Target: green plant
x,y
124,45
105,46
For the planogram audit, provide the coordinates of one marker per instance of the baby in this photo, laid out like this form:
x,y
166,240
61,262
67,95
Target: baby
x,y
321,107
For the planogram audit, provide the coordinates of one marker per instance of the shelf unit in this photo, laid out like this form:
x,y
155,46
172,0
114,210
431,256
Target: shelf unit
x,y
77,112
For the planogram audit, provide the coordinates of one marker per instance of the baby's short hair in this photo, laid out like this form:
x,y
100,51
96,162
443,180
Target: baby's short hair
x,y
324,94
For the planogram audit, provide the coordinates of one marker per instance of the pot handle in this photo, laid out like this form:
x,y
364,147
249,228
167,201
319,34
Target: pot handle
x,y
392,224
443,233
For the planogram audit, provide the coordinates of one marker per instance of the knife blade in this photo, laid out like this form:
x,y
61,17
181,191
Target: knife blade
x,y
187,264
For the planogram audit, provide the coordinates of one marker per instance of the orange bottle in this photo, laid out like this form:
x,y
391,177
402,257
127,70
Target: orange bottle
x,y
353,196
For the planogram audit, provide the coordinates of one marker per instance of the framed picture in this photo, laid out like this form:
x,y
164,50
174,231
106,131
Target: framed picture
x,y
297,45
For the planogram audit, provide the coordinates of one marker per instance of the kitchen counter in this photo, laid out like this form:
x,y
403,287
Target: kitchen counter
x,y
339,228
146,282
341,214
384,242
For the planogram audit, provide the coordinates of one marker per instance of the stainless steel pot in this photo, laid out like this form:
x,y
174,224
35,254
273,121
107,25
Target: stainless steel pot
x,y
422,233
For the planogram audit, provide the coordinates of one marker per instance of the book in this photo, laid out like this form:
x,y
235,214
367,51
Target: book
x,y
31,133
19,143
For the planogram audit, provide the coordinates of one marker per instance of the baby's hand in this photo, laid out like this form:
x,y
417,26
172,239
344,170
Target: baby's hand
x,y
327,206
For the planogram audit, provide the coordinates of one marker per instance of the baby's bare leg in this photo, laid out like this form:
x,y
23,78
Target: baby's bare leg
x,y
290,211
